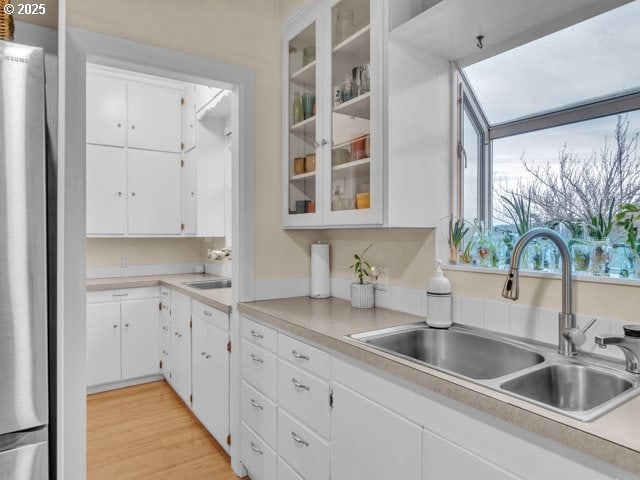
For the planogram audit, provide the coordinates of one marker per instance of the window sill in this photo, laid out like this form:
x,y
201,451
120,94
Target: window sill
x,y
634,282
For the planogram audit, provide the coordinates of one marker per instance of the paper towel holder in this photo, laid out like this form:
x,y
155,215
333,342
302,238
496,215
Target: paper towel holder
x,y
320,278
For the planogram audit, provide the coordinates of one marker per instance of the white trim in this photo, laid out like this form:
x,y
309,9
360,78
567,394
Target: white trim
x,y
105,387
83,46
134,77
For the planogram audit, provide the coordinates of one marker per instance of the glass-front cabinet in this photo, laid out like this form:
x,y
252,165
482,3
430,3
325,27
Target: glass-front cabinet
x,y
333,115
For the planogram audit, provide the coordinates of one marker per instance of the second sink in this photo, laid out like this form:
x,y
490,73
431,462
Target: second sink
x,y
469,355
568,387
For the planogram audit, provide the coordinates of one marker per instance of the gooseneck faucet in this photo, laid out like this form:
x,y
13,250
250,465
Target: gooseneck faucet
x,y
569,336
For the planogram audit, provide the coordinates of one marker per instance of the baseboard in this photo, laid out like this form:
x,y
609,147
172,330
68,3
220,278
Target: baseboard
x,y
105,387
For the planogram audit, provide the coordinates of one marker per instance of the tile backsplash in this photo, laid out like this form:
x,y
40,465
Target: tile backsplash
x,y
140,270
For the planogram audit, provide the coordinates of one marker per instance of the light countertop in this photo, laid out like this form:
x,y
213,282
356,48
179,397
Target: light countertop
x,y
219,298
614,437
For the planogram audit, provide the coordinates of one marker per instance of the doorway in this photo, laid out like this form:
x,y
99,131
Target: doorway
x,y
84,48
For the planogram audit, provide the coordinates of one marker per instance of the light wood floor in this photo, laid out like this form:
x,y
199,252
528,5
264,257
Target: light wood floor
x,y
146,432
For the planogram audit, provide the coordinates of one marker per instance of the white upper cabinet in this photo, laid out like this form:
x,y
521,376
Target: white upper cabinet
x,y
106,190
204,95
155,118
333,115
189,117
106,110
154,193
189,193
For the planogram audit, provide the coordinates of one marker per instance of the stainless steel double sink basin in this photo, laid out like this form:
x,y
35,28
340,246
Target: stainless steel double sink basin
x,y
210,284
532,372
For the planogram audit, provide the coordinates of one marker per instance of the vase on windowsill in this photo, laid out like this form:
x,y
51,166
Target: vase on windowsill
x,y
600,257
362,295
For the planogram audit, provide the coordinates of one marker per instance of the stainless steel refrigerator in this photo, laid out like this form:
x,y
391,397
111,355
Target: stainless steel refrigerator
x,y
24,411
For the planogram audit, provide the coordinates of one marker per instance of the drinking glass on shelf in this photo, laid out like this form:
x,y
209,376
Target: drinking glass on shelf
x,y
347,87
366,77
357,81
345,25
308,102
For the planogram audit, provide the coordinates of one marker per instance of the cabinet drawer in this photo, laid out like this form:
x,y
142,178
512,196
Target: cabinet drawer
x,y
122,294
259,413
180,301
256,455
305,396
210,315
165,294
306,452
304,356
285,472
259,369
259,334
165,333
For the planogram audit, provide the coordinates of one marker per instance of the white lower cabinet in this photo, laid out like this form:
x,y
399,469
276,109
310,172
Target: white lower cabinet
x,y
210,364
140,338
285,472
257,456
103,343
303,449
444,460
370,441
122,336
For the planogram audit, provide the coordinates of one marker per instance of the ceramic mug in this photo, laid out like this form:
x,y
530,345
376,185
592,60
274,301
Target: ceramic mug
x,y
310,163
298,165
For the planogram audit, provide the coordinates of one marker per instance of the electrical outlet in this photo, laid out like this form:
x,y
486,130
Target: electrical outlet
x,y
124,261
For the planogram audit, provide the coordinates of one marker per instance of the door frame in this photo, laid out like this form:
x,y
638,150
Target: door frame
x,y
78,47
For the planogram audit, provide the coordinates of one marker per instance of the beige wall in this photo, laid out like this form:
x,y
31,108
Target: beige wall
x,y
107,252
49,19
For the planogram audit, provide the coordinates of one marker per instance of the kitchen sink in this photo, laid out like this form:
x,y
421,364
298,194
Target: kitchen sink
x,y
569,387
463,353
582,388
210,284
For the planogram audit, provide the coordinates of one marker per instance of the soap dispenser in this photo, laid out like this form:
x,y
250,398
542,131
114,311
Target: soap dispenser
x,y
439,299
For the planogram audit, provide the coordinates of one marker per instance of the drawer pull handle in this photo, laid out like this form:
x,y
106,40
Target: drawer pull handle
x,y
299,440
299,385
164,352
256,334
115,325
255,449
300,356
255,404
166,329
120,294
256,358
164,307
206,355
207,313
179,335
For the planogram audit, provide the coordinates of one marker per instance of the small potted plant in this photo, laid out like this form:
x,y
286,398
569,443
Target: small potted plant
x,y
628,217
362,293
457,232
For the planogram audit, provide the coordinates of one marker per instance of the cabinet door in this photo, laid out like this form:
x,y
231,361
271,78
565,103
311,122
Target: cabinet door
x,y
155,118
106,190
370,441
103,343
140,338
189,118
303,140
211,378
154,193
106,110
210,178
444,460
189,193
181,352
353,178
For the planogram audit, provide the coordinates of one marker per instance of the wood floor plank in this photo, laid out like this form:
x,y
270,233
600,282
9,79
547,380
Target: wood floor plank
x,y
146,432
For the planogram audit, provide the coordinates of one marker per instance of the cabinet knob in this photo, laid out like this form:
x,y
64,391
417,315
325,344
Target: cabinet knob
x,y
133,194
324,142
193,194
133,127
191,126
119,124
115,326
119,194
126,325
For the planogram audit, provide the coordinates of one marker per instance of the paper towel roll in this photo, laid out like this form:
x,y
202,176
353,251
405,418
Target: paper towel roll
x,y
320,276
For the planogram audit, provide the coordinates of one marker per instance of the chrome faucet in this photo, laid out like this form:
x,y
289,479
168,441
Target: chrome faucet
x,y
629,344
570,336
